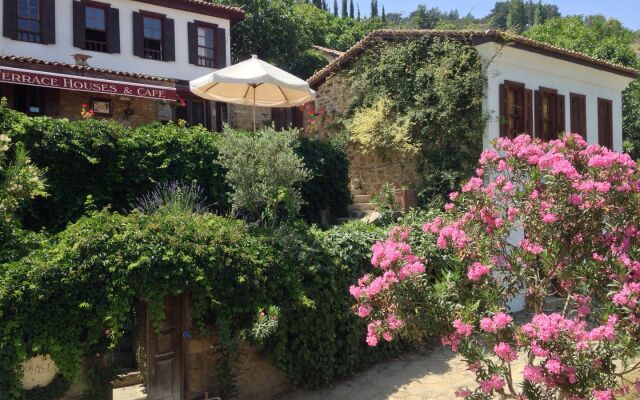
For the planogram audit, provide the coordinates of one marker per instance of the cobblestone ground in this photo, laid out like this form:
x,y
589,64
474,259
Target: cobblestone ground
x,y
428,375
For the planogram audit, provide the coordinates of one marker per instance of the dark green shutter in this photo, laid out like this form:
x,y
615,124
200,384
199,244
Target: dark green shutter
x,y
113,30
169,41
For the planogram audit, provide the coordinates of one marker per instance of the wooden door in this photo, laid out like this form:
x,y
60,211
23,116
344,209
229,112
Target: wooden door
x,y
164,353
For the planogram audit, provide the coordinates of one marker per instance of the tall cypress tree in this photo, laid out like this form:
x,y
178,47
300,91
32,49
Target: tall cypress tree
x,y
374,8
384,15
317,3
325,5
358,12
345,12
351,10
335,7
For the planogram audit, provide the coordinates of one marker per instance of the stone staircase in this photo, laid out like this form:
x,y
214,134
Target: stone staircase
x,y
361,207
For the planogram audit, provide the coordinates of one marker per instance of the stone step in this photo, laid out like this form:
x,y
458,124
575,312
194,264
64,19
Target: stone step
x,y
362,207
361,198
136,392
128,379
357,192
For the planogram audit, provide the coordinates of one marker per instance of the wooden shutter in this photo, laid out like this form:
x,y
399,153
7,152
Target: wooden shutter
x,y
10,19
504,118
79,39
113,30
48,21
221,48
138,34
605,123
169,41
528,112
560,105
192,37
578,113
538,113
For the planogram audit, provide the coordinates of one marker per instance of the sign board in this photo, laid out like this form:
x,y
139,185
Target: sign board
x,y
79,83
38,371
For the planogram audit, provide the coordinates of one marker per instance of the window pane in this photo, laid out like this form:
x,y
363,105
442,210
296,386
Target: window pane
x,y
95,18
152,28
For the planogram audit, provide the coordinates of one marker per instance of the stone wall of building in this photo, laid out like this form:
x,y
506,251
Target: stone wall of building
x,y
367,172
145,111
256,378
241,117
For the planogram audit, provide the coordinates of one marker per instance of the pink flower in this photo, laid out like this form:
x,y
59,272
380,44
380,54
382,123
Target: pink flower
x,y
474,184
364,310
602,394
553,366
549,218
493,383
463,329
477,271
464,393
533,374
505,352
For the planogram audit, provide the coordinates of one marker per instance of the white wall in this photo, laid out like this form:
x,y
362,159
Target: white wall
x,y
125,60
535,70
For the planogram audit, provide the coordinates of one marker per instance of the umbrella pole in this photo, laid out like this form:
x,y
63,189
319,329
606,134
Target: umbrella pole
x,y
254,108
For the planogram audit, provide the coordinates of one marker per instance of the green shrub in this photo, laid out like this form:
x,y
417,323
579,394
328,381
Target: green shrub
x,y
112,163
116,165
62,298
264,173
328,188
434,89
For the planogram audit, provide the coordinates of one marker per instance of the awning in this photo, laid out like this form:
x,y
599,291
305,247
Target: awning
x,y
83,84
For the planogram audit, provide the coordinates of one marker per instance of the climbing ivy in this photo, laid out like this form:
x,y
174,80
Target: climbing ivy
x,y
434,86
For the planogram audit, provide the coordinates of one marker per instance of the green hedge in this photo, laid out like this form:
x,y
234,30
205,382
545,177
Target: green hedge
x,y
115,165
321,340
63,297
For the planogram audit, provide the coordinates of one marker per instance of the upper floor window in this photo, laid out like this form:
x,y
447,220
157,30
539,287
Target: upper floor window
x,y
578,110
153,36
605,123
549,114
207,45
29,26
96,26
29,20
515,109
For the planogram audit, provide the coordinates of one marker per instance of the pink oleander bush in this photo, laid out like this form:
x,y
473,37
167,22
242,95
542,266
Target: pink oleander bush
x,y
557,220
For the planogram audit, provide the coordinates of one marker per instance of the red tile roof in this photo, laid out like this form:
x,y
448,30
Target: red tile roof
x,y
234,14
475,37
30,60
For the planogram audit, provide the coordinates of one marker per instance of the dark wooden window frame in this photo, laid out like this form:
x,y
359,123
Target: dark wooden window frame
x,y
162,18
578,118
189,100
214,28
39,34
605,133
102,47
523,116
557,118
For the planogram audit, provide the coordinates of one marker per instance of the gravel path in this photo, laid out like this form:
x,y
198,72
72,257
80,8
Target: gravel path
x,y
428,375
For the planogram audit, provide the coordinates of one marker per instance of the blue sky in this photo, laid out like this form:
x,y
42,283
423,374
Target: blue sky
x,y
628,11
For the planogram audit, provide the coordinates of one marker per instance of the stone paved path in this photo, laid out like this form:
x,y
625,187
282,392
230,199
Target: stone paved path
x,y
429,375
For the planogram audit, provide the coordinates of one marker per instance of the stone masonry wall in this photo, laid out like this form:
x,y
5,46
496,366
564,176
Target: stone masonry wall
x,y
241,117
367,172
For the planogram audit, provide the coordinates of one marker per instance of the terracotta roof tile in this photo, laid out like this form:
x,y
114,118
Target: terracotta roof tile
x,y
233,13
334,52
476,37
30,60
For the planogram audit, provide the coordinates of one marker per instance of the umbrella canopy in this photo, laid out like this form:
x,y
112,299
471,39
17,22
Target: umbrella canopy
x,y
253,83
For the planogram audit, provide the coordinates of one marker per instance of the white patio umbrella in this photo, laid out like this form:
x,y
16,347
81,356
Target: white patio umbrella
x,y
253,83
